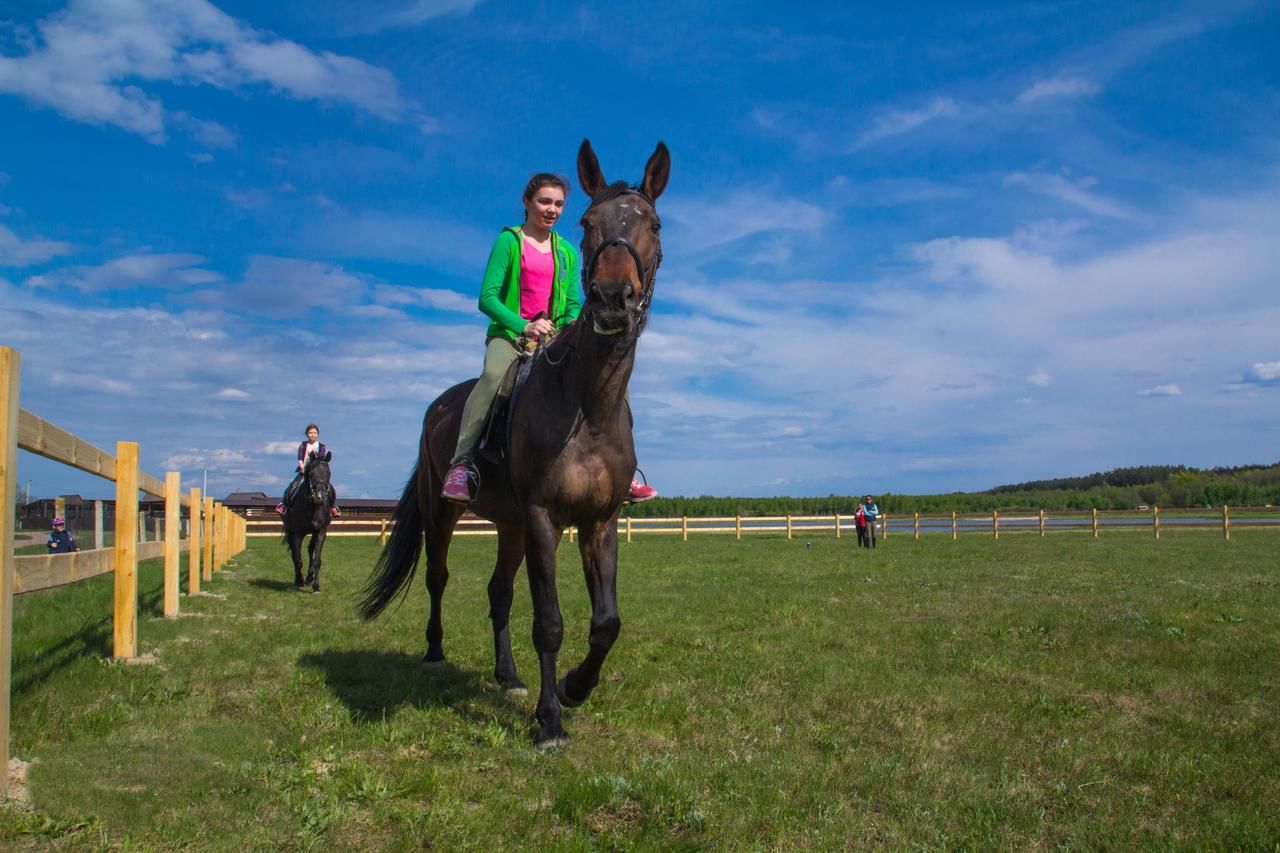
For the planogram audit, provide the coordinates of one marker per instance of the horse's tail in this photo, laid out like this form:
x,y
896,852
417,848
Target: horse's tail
x,y
399,559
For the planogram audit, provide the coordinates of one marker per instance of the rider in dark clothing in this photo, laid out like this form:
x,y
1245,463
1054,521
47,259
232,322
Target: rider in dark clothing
x,y
311,447
60,540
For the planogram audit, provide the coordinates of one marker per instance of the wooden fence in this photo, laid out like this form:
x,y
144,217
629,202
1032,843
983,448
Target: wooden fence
x,y
993,524
216,534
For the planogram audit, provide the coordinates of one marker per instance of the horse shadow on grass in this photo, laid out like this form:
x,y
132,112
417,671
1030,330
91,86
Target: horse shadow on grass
x,y
375,685
275,585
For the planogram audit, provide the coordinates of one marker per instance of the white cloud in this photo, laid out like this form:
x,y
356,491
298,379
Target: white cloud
x,y
168,271
280,448
98,62
1040,379
412,13
288,287
704,223
1058,87
16,252
1169,390
232,394
898,122
1073,192
1265,371
427,297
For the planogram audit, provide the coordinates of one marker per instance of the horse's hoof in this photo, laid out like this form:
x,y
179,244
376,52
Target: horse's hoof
x,y
432,665
299,586
551,744
315,590
565,700
516,690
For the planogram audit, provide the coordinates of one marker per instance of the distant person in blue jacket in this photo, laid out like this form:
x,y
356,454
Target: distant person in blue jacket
x,y
60,540
871,511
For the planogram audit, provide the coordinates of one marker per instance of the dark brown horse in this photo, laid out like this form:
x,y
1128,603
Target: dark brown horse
x,y
570,460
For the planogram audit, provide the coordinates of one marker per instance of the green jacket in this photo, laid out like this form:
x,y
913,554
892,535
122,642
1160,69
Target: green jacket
x,y
500,290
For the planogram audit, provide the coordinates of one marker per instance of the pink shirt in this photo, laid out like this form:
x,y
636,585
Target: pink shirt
x,y
537,270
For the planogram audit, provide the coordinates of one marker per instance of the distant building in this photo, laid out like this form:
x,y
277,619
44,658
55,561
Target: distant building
x,y
259,504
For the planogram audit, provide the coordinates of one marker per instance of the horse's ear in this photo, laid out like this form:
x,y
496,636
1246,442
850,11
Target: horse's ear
x,y
656,172
590,178
328,454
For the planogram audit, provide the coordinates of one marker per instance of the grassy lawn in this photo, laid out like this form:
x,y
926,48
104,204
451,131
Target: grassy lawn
x,y
1066,691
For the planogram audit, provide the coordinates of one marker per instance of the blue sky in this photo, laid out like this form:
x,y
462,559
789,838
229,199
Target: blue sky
x,y
914,250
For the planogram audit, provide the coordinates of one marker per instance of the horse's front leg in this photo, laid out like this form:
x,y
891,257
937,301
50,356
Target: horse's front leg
x,y
315,550
540,540
295,551
599,549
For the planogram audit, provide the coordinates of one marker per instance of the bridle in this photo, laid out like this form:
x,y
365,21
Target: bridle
x,y
319,491
648,275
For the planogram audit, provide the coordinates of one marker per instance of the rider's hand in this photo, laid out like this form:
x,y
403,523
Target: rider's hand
x,y
539,327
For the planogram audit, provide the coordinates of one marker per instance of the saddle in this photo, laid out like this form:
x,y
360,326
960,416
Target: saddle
x,y
496,435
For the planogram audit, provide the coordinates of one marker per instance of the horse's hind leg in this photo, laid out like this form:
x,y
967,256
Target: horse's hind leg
x,y
444,516
501,590
599,550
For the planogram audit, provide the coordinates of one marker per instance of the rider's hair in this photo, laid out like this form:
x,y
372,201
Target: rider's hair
x,y
545,179
311,427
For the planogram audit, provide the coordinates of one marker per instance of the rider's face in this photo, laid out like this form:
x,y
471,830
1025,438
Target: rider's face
x,y
313,435
545,206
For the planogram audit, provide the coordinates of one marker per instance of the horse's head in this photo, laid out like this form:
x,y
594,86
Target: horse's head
x,y
621,243
317,474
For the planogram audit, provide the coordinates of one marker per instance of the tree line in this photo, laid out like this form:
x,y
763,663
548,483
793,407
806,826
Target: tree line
x,y
1166,486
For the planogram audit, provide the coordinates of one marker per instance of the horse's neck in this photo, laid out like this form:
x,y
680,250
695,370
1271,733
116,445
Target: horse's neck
x,y
601,373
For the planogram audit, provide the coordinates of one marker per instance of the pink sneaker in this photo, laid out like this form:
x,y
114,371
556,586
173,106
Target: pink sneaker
x,y
640,492
457,483
280,508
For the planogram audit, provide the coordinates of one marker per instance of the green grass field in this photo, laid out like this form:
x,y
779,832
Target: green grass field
x,y
1026,693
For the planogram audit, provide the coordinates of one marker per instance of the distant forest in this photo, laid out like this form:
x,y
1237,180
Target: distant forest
x,y
1167,486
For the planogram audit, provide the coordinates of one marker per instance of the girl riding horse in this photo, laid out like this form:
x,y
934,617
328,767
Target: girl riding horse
x,y
529,292
311,447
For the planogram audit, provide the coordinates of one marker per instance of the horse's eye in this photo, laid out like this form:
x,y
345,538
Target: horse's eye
x,y
655,226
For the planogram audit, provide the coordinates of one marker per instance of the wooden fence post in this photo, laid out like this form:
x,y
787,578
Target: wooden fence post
x,y
382,534
628,528
224,540
995,523
206,569
954,531
172,531
884,519
194,545
126,551
1226,522
917,526
837,525
684,527
1095,522
788,525
738,523
570,534
1042,523
98,539
10,374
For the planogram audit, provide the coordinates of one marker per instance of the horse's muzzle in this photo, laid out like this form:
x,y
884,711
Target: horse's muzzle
x,y
612,306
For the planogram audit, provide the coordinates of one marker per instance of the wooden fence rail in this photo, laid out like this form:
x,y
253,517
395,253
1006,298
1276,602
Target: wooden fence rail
x,y
994,524
20,429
